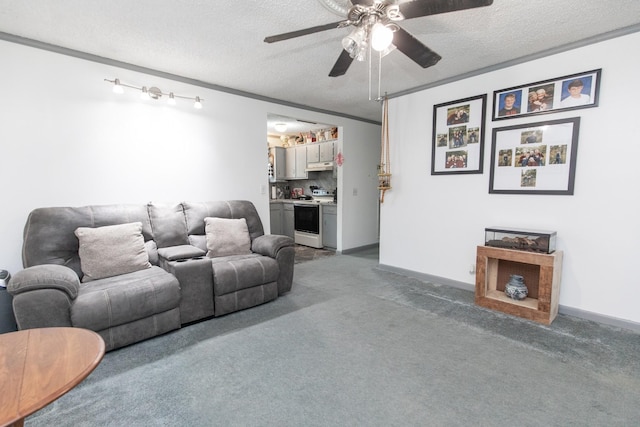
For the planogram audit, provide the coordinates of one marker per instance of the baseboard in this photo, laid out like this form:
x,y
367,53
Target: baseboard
x,y
359,249
569,311
600,318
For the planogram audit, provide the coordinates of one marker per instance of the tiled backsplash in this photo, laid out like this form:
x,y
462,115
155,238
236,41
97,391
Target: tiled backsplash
x,y
322,179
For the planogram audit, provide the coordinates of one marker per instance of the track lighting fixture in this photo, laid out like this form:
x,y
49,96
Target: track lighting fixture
x,y
153,93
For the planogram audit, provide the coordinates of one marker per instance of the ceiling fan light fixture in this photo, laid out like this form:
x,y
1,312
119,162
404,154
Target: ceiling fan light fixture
x,y
354,41
381,37
388,50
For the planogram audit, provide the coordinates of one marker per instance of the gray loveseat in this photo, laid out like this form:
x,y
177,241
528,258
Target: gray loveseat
x,y
182,269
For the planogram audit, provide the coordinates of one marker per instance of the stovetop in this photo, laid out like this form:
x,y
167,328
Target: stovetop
x,y
315,201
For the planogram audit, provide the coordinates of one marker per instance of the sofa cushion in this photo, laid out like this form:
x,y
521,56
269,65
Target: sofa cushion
x,y
168,224
234,273
227,237
49,232
195,213
111,250
199,241
104,303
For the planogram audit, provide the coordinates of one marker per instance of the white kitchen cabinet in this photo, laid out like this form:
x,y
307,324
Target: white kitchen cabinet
x,y
326,151
330,226
320,152
279,161
301,163
313,153
290,163
296,162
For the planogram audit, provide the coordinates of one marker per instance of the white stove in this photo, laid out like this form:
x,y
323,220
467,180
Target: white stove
x,y
308,218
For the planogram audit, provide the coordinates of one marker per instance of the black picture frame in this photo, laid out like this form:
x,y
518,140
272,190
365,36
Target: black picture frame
x,y
549,148
457,145
551,96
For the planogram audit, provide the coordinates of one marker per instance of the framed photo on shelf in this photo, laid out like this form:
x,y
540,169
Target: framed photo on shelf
x,y
535,158
549,96
458,136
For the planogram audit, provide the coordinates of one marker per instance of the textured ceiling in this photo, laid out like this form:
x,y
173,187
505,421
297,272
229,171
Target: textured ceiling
x,y
221,43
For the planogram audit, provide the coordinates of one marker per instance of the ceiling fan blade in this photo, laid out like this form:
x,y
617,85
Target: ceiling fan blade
x,y
417,8
342,64
298,33
414,49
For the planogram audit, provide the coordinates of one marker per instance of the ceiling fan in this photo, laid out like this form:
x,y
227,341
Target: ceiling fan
x,y
375,23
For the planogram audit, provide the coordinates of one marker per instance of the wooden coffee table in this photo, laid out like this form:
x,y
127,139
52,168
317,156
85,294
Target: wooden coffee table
x,y
37,366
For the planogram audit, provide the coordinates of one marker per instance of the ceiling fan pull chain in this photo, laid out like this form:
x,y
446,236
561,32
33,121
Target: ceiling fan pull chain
x,y
369,71
379,74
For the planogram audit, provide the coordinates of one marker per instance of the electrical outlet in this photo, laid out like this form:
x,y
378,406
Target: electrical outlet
x,y
472,269
263,189
355,191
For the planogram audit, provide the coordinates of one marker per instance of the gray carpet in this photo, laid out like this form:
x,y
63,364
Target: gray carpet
x,y
306,253
352,345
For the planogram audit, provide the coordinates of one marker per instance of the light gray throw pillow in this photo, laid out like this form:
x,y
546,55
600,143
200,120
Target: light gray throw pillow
x,y
111,250
227,237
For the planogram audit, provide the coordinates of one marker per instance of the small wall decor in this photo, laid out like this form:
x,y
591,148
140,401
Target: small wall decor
x,y
548,96
458,136
384,168
535,158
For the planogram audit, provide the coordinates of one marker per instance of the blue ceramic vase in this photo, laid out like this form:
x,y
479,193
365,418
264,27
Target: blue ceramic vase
x,y
515,287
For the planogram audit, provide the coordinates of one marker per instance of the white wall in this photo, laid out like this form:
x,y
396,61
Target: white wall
x,y
432,224
358,181
67,140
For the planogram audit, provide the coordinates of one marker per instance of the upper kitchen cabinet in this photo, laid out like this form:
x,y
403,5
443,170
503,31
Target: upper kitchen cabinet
x,y
277,162
327,151
296,162
313,153
320,152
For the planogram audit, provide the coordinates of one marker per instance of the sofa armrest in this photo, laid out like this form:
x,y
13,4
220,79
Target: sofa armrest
x,y
173,253
45,276
270,244
43,295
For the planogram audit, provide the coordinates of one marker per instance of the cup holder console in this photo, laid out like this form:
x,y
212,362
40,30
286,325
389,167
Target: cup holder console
x,y
189,259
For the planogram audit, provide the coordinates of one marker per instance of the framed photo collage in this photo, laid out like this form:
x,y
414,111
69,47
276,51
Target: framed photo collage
x,y
532,158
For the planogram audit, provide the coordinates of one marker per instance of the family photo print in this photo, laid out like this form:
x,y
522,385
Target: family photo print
x,y
458,136
564,93
535,158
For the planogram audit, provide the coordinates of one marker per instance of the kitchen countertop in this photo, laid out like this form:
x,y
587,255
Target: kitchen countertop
x,y
302,202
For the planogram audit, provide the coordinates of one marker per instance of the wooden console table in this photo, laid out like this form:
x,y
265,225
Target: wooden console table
x,y
37,366
541,274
